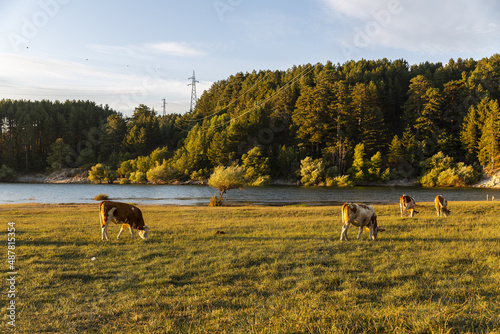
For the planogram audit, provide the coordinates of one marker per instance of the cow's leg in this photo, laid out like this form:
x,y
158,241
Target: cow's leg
x,y
343,235
401,209
360,231
105,235
370,232
104,226
131,234
412,211
121,230
104,231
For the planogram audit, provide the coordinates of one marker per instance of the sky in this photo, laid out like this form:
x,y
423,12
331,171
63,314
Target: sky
x,y
126,53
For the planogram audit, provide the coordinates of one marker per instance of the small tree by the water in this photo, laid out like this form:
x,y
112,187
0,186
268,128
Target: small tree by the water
x,y
224,179
100,173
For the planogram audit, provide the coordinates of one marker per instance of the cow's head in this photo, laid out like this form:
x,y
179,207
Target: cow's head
x,y
144,232
446,212
376,230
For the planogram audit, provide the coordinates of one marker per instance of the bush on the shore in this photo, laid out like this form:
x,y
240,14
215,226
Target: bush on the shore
x,y
442,171
161,173
224,179
101,197
214,201
7,174
138,177
100,173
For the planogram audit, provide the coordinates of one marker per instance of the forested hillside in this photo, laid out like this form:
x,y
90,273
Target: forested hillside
x,y
370,120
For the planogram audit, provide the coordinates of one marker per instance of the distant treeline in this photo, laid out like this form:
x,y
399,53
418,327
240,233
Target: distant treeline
x,y
370,120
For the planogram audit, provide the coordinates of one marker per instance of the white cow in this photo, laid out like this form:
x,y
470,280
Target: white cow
x,y
362,216
441,206
407,203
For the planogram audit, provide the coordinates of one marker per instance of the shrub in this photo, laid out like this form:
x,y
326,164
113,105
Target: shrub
x,y
96,173
161,173
442,171
214,201
138,177
449,178
261,181
126,168
467,173
7,174
257,167
101,172
101,197
224,179
199,175
339,181
311,171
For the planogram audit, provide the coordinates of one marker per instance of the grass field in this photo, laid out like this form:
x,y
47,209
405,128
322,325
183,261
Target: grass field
x,y
275,270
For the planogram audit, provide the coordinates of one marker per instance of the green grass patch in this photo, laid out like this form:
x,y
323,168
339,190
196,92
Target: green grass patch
x,y
275,270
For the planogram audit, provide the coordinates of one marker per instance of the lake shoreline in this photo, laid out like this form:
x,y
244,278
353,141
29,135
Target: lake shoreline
x,y
77,176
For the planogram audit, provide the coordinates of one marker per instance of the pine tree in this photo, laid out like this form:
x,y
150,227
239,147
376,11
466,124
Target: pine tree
x,y
359,166
429,117
470,134
396,151
417,99
490,135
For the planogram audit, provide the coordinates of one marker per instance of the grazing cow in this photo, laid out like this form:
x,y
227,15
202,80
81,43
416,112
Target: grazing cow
x,y
441,206
122,213
407,203
362,216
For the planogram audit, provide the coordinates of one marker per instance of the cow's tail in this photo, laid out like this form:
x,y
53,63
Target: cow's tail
x,y
345,213
101,214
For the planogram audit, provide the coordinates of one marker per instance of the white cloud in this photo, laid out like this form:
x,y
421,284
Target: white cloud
x,y
176,49
35,78
179,49
354,8
433,27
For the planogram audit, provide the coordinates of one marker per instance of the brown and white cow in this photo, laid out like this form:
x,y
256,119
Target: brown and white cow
x,y
362,216
407,203
122,213
441,206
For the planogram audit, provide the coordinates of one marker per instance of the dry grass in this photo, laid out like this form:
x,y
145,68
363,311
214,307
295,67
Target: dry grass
x,y
275,270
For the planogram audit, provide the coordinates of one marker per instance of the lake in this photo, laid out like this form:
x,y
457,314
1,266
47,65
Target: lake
x,y
13,193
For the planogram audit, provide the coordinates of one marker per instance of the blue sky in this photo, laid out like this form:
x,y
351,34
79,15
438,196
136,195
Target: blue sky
x,y
125,53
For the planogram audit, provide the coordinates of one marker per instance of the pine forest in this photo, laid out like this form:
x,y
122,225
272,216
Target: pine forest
x,y
360,122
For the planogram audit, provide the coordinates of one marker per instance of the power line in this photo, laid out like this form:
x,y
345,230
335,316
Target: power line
x,y
306,70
